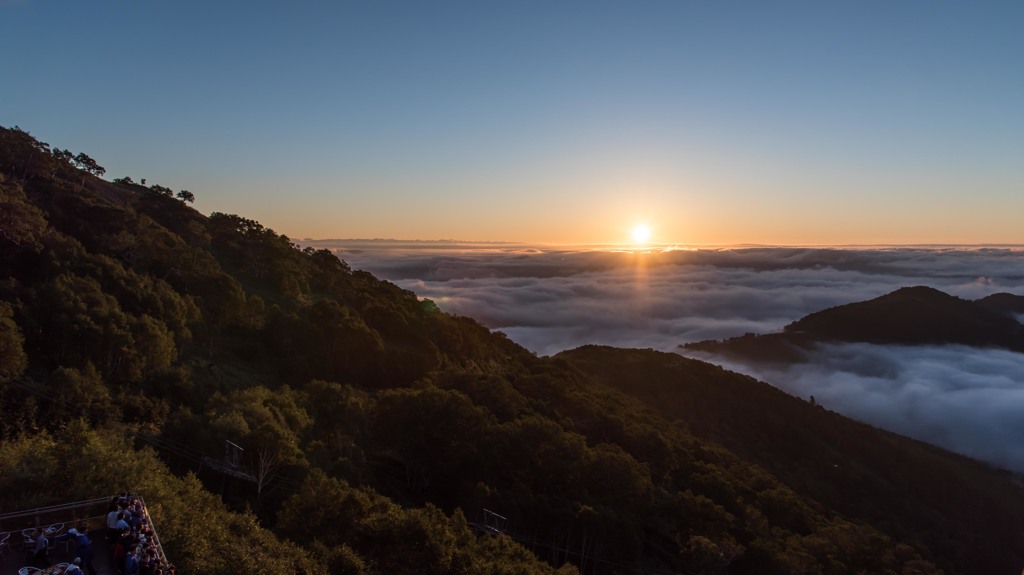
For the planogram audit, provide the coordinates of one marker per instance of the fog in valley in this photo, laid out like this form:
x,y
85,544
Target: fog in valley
x,y
964,399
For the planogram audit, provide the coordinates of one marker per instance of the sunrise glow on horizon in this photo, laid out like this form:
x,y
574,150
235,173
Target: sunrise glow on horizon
x,y
641,234
564,123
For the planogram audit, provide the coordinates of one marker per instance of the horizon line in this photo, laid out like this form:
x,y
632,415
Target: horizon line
x,y
667,246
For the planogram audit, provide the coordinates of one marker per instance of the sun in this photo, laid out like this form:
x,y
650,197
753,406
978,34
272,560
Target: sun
x,y
641,234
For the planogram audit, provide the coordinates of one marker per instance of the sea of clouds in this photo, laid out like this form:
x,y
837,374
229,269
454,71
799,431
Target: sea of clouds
x,y
965,399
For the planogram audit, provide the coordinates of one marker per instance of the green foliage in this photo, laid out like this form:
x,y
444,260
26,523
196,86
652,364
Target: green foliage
x,y
703,555
342,416
22,224
427,432
13,359
381,537
260,418
83,393
79,323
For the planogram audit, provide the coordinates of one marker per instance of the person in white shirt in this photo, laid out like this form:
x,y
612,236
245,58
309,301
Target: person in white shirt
x,y
112,532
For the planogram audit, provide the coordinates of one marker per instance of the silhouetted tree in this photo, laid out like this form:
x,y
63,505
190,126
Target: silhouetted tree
x,y
63,155
162,189
83,161
186,196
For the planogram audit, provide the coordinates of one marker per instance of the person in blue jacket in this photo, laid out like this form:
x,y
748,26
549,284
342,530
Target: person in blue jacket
x,y
83,548
131,562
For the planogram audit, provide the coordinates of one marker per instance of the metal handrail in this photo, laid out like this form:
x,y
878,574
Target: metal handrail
x,y
152,527
62,513
52,509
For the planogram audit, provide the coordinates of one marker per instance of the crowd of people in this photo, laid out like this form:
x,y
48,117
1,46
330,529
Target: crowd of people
x,y
134,549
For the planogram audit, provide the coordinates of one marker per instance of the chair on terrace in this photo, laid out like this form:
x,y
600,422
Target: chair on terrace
x,y
29,545
52,531
5,544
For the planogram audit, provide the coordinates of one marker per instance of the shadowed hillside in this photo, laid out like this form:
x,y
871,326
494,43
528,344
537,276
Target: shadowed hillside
x,y
283,413
1006,303
862,472
914,316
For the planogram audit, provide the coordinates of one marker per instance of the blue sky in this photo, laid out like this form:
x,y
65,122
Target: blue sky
x,y
559,122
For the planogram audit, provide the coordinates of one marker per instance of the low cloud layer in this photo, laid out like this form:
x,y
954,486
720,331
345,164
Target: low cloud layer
x,y
967,400
552,300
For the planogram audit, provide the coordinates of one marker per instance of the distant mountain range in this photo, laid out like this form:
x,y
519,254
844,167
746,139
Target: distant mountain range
x,y
916,315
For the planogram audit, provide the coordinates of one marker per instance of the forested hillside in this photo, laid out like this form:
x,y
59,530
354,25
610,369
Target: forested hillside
x,y
140,336
909,489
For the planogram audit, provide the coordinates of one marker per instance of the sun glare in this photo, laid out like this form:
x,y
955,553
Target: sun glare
x,y
641,234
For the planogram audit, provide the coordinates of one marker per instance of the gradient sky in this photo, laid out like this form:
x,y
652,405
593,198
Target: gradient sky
x,y
551,122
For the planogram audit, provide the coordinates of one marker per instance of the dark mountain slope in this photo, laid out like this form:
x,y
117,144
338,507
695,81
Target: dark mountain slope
x,y
1006,303
911,490
914,316
908,316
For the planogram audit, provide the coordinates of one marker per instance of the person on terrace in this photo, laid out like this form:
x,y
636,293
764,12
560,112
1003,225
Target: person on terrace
x,y
42,545
83,548
112,531
131,562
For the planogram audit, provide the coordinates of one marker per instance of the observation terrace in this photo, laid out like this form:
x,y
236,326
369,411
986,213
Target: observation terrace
x,y
89,517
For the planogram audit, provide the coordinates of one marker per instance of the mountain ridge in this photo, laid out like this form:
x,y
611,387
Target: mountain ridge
x,y
914,315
